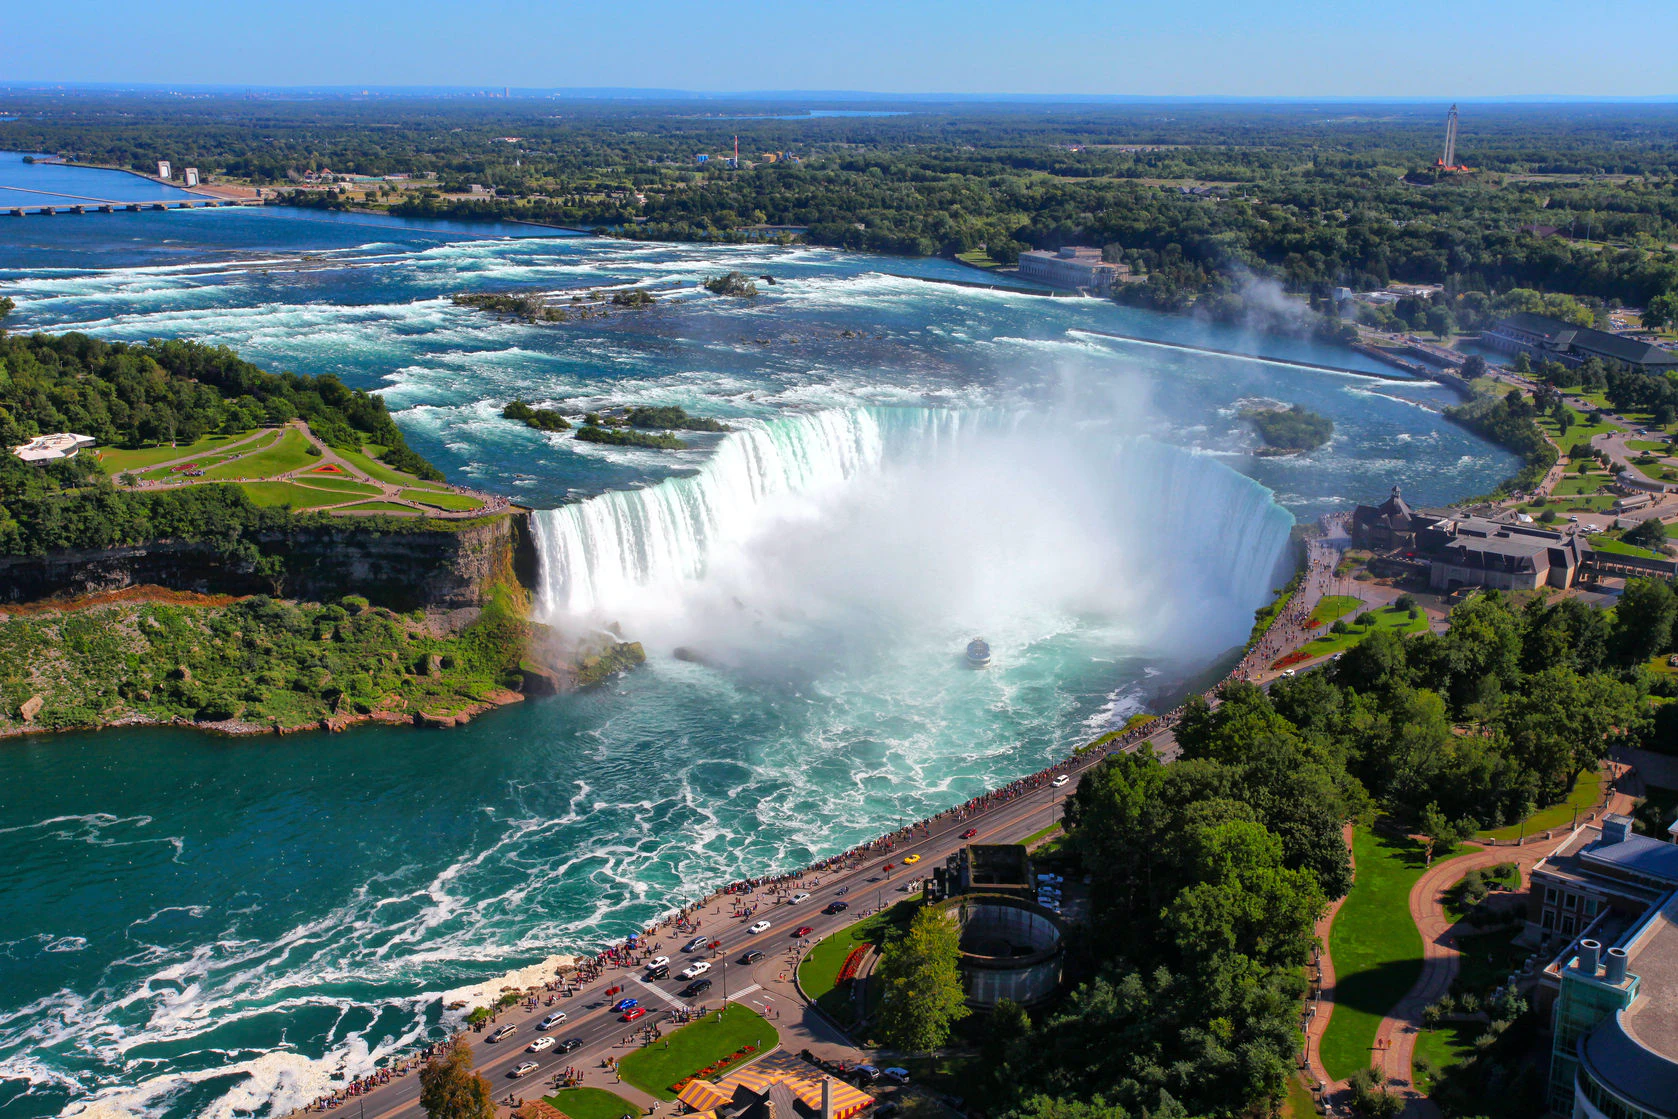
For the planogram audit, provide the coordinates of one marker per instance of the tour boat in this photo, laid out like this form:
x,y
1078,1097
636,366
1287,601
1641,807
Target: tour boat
x,y
978,653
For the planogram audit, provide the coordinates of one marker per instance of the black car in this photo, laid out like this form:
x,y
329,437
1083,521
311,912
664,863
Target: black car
x,y
751,957
662,971
836,907
698,986
569,1044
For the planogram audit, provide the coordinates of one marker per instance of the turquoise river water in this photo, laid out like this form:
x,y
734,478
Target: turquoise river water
x,y
202,926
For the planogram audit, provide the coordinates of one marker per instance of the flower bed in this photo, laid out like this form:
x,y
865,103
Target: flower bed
x,y
716,1068
853,962
1298,656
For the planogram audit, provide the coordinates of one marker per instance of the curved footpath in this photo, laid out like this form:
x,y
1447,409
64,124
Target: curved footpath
x,y
861,877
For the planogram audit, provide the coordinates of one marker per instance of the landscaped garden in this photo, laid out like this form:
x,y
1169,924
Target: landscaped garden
x,y
1587,791
699,1050
819,972
592,1103
1395,618
1376,949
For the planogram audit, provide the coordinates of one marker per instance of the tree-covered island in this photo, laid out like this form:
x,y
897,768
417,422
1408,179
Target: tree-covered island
x,y
1289,430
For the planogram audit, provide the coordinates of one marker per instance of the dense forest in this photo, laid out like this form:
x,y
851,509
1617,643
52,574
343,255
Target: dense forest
x,y
157,392
1209,874
1190,195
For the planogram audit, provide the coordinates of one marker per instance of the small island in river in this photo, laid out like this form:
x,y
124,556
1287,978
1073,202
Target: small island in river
x,y
1288,431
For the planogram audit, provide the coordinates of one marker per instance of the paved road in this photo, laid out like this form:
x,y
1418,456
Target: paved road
x,y
865,887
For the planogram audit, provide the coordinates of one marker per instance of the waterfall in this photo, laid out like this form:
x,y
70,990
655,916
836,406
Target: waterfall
x,y
1162,514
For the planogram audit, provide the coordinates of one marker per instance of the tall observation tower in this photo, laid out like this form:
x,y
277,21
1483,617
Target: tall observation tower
x,y
1449,161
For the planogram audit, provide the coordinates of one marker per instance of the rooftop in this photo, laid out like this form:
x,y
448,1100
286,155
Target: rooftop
x,y
46,448
1563,334
1652,1018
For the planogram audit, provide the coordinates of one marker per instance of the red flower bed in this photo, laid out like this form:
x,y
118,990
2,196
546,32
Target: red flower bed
x,y
1298,656
328,468
847,973
1313,623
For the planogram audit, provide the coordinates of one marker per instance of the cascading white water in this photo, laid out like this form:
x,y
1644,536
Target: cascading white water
x,y
1159,520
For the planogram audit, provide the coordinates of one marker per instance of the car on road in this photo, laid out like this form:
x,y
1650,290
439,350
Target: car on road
x,y
525,1068
551,1020
751,957
570,1044
759,927
835,907
841,891
697,987
539,1044
1289,673
634,1012
911,860
901,1075
797,898
1057,783
970,833
803,930
626,1004
658,961
695,970
662,971
696,944
867,1074
501,1031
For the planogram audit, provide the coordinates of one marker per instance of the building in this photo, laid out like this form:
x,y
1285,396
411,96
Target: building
x,y
51,448
1614,1026
191,176
780,1086
1391,524
702,158
163,169
1545,339
1074,266
1471,552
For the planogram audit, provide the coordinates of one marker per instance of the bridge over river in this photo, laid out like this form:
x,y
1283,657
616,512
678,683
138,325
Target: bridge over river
x,y
56,202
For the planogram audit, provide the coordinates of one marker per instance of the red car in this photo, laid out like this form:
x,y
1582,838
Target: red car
x,y
803,930
970,833
634,1012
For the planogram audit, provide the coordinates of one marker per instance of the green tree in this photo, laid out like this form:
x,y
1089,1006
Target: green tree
x,y
1643,621
1560,722
451,1089
1439,832
1662,311
922,992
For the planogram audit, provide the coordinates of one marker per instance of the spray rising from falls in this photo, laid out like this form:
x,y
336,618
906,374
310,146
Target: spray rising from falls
x,y
910,519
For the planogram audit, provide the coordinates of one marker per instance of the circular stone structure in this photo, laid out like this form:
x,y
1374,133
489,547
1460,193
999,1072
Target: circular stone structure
x,y
1010,948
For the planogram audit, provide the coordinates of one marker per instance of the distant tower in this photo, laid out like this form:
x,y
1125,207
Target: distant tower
x,y
736,153
1450,161
163,168
192,176
506,92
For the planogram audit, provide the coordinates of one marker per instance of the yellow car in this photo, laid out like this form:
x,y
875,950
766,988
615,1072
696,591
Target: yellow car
x,y
911,860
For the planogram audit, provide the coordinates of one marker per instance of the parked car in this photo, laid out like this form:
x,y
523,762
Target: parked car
x,y
539,1044
796,898
501,1032
751,957
551,1020
634,1012
626,1004
759,927
835,907
570,1044
968,834
524,1069
696,944
866,1073
697,987
803,930
695,970
901,1075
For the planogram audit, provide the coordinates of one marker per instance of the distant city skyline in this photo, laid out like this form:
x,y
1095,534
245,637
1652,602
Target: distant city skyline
x,y
1463,50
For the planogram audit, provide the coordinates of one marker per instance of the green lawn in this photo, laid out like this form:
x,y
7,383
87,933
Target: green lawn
x,y
820,966
1389,618
1586,792
337,484
290,453
1333,606
455,502
1456,909
381,507
1444,1048
653,1068
287,493
376,469
1040,833
1574,484
1580,431
1613,546
1300,1103
115,460
978,258
1649,445
1376,949
592,1103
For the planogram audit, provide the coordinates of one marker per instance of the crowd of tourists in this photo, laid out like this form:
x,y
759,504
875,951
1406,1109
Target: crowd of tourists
x,y
364,1084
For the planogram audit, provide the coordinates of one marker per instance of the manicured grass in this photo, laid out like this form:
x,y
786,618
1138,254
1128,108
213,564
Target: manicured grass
x,y
1388,618
1580,431
653,1068
1041,833
1509,879
592,1103
1487,960
1299,1103
1376,949
376,469
820,967
1574,484
290,453
1586,792
1333,606
115,460
1649,445
456,502
1613,546
978,258
336,484
1445,1048
288,493
381,507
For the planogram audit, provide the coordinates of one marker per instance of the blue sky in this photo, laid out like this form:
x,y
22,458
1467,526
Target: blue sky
x,y
1244,48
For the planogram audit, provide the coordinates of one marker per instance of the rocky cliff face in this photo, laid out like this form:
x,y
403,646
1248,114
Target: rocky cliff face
x,y
438,570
